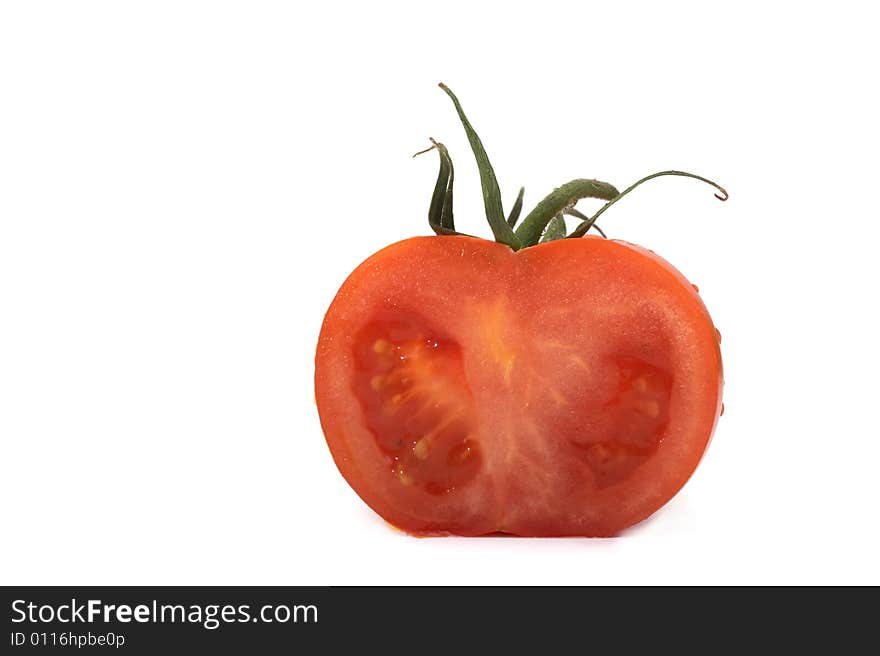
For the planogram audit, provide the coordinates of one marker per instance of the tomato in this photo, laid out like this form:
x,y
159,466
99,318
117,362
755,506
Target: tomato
x,y
567,389
471,387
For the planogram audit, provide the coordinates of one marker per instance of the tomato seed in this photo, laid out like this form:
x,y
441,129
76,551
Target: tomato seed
x,y
422,448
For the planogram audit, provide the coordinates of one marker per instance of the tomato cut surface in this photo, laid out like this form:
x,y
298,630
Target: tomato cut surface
x,y
412,388
569,388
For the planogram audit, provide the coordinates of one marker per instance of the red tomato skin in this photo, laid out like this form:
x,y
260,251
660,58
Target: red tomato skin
x,y
522,321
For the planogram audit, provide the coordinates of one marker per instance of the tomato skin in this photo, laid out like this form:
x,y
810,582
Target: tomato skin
x,y
589,384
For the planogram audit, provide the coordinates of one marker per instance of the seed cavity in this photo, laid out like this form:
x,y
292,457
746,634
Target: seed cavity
x,y
412,389
638,413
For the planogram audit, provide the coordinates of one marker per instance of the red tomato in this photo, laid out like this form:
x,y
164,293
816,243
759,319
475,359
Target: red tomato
x,y
568,388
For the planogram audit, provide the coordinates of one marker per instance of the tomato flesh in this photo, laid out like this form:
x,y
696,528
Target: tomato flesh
x,y
568,389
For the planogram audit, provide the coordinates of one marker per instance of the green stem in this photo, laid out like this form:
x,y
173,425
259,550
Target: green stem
x,y
440,211
491,192
581,230
583,217
532,227
555,229
513,217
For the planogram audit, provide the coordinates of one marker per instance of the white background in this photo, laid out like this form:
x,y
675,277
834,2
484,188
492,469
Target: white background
x,y
184,186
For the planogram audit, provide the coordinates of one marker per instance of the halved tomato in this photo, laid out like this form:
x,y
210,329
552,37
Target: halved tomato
x,y
569,388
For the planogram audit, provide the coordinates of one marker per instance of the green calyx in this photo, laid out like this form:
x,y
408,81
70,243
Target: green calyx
x,y
544,223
